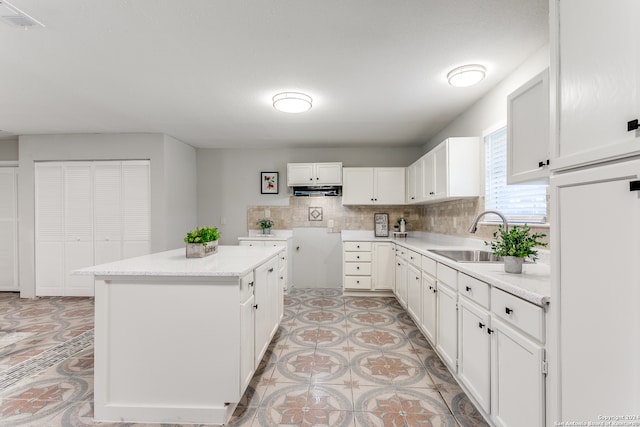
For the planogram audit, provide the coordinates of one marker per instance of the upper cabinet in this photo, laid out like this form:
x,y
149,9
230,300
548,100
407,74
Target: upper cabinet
x,y
594,90
528,132
304,174
373,186
415,182
450,171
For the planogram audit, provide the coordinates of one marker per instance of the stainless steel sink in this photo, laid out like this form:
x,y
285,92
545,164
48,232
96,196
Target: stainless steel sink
x,y
469,255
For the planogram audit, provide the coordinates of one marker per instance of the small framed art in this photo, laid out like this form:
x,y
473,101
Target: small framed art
x,y
269,183
381,224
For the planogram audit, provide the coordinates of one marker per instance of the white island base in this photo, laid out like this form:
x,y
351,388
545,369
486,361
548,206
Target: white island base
x,y
173,348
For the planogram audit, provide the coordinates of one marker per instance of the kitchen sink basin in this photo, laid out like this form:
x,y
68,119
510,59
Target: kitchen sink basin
x,y
468,255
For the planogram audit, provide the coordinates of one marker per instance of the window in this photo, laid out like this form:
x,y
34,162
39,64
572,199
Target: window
x,y
519,203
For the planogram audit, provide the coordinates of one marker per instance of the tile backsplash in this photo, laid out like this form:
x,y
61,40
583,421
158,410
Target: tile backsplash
x,y
450,217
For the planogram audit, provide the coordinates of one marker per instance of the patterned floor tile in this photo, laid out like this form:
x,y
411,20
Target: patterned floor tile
x,y
386,370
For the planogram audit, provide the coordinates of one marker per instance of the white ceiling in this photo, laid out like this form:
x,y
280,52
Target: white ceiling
x,y
204,71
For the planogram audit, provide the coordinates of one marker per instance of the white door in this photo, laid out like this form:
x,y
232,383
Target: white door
x,y
78,226
328,173
598,81
429,176
474,352
357,186
9,229
429,307
136,215
300,174
441,162
49,229
447,326
414,292
597,289
401,281
247,325
517,381
411,182
383,266
107,191
316,258
389,186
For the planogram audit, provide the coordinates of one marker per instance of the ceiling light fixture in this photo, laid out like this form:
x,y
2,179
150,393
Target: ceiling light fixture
x,y
14,16
292,102
467,75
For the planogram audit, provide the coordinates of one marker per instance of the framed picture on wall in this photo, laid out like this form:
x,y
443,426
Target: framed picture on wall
x,y
269,182
381,224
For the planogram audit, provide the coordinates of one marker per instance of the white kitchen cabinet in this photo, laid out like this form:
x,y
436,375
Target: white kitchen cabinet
x,y
414,292
428,320
266,306
474,351
528,131
415,182
285,267
452,170
595,292
88,213
373,186
401,280
247,326
9,229
517,378
447,301
305,174
596,76
383,269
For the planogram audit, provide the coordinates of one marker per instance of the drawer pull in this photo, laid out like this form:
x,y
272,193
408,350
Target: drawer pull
x,y
468,288
398,263
435,290
357,281
489,331
358,246
357,268
251,284
358,256
430,287
417,278
255,306
508,310
480,325
271,270
281,277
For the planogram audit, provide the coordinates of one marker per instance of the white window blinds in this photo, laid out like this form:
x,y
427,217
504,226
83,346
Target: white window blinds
x,y
519,203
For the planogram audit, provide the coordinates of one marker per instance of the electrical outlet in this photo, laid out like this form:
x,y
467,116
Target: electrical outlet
x,y
223,220
432,222
455,222
267,213
330,223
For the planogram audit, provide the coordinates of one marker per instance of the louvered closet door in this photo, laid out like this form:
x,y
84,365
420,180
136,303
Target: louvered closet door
x,y
136,220
107,211
8,229
49,229
78,214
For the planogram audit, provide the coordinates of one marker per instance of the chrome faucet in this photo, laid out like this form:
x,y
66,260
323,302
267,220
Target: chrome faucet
x,y
474,226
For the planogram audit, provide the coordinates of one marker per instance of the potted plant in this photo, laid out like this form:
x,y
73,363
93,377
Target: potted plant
x,y
515,245
202,242
401,224
265,224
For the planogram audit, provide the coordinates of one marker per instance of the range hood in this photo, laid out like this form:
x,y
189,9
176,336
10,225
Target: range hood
x,y
317,191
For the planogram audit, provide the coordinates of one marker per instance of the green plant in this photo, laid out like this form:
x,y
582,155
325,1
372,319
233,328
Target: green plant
x,y
265,223
400,219
518,242
202,235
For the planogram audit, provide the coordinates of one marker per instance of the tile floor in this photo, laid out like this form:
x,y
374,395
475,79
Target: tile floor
x,y
335,361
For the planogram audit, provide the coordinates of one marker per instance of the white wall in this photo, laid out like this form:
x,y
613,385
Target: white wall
x,y
491,109
180,182
8,149
229,179
103,147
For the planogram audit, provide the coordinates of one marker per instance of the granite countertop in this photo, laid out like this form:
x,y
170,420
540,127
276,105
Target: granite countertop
x,y
533,285
229,261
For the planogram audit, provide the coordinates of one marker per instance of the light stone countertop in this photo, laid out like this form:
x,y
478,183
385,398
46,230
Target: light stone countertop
x,y
275,236
533,285
229,261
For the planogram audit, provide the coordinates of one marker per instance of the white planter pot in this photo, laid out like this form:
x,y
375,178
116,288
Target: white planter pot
x,y
198,250
513,264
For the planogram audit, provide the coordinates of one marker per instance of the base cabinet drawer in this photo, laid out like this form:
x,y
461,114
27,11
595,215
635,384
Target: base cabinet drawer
x,y
357,268
519,313
357,282
358,246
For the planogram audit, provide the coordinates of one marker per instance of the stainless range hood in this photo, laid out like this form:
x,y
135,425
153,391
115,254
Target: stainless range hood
x,y
318,191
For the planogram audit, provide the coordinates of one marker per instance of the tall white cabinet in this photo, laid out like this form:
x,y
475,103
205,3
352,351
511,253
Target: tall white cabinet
x,y
8,229
88,213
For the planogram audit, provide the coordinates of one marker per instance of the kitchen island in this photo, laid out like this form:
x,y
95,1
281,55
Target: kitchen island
x,y
177,340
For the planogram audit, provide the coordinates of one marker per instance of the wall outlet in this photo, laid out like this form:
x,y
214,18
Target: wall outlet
x,y
455,222
223,220
432,222
330,223
267,213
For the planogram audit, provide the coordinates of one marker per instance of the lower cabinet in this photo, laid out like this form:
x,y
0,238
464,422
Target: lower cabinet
x,y
266,306
447,325
247,344
401,280
428,320
383,269
368,266
414,291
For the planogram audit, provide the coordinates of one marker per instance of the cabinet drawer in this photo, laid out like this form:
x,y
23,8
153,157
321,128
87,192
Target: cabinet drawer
x,y
357,256
357,246
474,289
520,313
251,243
276,244
401,251
414,258
447,275
356,282
428,265
246,287
357,268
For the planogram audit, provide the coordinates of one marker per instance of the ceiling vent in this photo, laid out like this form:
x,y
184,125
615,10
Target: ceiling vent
x,y
17,18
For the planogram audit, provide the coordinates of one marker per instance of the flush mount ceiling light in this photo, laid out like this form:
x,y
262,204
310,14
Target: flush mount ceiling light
x,y
467,75
14,16
292,102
